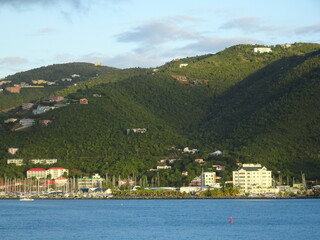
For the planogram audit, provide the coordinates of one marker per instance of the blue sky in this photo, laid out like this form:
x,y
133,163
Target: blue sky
x,y
144,33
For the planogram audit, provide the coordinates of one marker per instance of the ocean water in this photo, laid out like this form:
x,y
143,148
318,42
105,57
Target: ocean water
x,y
160,219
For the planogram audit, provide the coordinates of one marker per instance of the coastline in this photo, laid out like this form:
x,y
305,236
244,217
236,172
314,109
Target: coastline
x,y
165,198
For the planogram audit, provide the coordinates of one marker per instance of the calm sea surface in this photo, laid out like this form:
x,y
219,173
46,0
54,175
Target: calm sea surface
x,y
160,219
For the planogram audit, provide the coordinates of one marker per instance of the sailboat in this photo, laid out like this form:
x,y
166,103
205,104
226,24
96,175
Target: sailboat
x,y
26,199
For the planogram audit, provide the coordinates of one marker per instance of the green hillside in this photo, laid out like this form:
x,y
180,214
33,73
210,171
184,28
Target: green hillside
x,y
255,107
54,73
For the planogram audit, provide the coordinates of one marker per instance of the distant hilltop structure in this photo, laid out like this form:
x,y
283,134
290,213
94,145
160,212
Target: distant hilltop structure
x,y
97,64
262,50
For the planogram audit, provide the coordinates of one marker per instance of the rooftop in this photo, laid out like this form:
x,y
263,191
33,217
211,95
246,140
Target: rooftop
x,y
36,170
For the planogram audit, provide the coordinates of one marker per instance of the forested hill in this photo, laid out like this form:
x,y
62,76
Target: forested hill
x,y
58,71
255,107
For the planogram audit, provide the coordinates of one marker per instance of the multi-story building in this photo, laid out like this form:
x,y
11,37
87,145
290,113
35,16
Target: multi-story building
x,y
57,172
37,173
208,179
262,50
44,161
17,162
86,182
252,178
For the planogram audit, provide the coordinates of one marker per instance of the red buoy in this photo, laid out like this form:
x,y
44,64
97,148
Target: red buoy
x,y
231,220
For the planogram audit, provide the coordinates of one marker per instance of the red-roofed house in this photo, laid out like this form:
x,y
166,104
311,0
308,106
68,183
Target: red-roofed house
x,y
57,172
37,173
61,180
50,182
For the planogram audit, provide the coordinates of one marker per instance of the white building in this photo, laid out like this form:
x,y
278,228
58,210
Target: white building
x,y
252,178
163,167
262,50
37,173
57,172
86,182
44,161
12,150
208,179
17,162
183,65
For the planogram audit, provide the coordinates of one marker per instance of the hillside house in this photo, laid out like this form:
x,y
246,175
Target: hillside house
x,y
137,130
216,153
285,45
187,150
75,75
25,85
27,106
45,122
66,79
17,162
60,105
41,109
185,173
10,120
13,151
262,50
196,181
4,82
200,160
83,101
44,161
183,65
56,98
27,122
15,89
40,81
219,167
165,167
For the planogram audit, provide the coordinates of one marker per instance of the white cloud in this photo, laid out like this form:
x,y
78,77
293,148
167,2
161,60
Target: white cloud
x,y
157,33
249,24
13,60
308,29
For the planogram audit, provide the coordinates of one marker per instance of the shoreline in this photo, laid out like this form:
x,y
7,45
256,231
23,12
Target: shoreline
x,y
168,198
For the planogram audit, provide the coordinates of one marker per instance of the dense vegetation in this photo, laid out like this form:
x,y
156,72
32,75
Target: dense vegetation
x,y
254,107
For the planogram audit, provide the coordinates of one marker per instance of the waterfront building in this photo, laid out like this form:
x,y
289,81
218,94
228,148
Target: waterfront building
x,y
61,181
252,178
37,173
208,179
57,172
87,182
